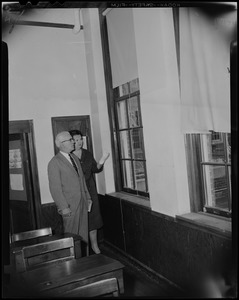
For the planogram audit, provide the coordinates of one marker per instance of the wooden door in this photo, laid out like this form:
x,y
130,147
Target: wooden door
x,y
24,196
81,123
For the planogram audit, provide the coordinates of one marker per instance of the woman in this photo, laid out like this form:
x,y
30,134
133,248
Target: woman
x,y
90,167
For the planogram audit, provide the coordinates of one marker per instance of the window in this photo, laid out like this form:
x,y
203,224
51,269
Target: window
x,y
209,168
129,131
123,99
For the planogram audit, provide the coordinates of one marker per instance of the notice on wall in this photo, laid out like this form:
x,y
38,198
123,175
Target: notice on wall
x,y
16,182
15,159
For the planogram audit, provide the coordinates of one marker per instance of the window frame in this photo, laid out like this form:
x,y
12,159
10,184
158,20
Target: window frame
x,y
115,143
197,189
116,99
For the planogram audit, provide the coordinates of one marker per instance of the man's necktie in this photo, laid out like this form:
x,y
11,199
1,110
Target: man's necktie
x,y
73,163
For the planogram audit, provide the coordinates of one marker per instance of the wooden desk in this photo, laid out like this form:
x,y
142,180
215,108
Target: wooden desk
x,y
55,280
16,247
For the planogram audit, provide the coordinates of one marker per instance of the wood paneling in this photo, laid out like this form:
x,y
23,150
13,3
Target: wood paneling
x,y
173,250
19,215
51,218
112,218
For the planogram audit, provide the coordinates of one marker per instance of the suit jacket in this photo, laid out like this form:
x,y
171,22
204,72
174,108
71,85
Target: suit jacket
x,y
69,191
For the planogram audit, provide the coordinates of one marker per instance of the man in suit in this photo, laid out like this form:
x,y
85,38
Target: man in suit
x,y
68,188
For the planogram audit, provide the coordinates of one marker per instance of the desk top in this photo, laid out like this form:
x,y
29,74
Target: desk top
x,y
57,275
17,246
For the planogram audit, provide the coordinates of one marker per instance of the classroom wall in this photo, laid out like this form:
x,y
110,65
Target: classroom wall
x,y
54,72
47,78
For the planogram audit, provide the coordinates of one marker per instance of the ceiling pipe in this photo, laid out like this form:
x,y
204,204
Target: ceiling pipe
x,y
42,24
77,28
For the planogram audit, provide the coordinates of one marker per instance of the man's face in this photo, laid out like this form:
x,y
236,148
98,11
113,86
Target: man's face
x,y
66,143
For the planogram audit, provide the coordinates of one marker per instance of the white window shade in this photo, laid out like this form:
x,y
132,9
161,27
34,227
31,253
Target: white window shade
x,y
205,80
122,47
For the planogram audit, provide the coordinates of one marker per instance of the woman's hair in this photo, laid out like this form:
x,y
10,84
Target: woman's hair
x,y
75,132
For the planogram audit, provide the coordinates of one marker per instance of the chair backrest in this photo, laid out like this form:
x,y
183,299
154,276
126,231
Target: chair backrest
x,y
26,235
39,255
102,287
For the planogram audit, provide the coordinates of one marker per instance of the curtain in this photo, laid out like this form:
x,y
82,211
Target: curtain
x,y
122,47
204,73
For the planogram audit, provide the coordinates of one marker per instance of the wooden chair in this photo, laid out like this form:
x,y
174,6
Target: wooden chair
x,y
34,256
26,235
99,288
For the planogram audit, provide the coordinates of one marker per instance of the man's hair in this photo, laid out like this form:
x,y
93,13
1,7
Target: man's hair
x,y
57,139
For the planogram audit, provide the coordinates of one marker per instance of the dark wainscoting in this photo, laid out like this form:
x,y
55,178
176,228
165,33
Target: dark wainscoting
x,y
175,251
51,218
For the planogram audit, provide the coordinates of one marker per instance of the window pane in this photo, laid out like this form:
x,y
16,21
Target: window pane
x,y
124,89
137,143
213,147
217,192
134,85
122,114
133,112
140,176
228,141
127,174
230,185
116,92
125,144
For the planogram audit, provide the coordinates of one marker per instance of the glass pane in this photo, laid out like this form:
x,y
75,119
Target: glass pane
x,y
230,186
213,147
127,174
217,190
139,171
228,141
134,85
124,89
125,144
122,114
137,143
116,92
133,110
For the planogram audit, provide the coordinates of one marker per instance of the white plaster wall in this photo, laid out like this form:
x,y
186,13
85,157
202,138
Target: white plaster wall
x,y
47,78
98,100
160,99
54,72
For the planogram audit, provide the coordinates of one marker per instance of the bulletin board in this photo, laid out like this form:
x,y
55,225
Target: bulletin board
x,y
17,188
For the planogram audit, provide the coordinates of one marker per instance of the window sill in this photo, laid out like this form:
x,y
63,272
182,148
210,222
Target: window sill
x,y
135,199
217,225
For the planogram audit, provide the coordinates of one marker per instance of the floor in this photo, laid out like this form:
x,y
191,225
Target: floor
x,y
138,284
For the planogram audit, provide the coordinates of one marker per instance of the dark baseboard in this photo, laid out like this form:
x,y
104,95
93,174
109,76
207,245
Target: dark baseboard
x,y
137,266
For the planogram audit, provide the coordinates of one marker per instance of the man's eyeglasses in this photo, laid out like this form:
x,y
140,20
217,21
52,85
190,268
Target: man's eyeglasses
x,y
70,140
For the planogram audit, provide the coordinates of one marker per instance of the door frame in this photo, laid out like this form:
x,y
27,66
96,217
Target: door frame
x,y
26,127
81,122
